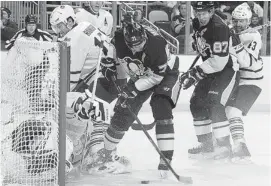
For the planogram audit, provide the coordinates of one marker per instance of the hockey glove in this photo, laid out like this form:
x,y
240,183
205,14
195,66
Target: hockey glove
x,y
191,77
84,108
108,67
236,42
128,92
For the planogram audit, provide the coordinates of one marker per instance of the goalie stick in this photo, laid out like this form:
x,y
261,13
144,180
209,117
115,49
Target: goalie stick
x,y
183,179
136,126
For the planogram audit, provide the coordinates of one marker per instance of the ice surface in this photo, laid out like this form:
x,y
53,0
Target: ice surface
x,y
205,173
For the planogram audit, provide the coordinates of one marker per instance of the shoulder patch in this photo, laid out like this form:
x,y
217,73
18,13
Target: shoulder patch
x,y
89,30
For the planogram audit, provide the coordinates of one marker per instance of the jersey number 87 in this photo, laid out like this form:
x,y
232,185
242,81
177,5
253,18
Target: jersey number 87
x,y
220,47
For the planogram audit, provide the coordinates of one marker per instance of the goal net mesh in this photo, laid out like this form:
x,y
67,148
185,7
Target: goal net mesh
x,y
30,114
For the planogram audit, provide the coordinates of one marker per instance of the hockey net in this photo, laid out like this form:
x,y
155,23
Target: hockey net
x,y
30,107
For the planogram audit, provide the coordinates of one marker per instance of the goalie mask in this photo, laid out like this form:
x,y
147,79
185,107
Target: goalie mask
x,y
241,17
62,19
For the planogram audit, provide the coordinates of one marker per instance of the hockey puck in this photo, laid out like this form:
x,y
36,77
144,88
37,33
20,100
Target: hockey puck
x,y
145,182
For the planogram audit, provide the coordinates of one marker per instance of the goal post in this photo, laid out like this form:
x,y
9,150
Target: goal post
x,y
34,83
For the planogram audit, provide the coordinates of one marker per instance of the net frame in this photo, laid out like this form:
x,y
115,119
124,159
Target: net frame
x,y
63,80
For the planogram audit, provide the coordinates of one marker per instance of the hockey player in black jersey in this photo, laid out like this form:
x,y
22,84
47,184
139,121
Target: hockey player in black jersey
x,y
215,80
152,72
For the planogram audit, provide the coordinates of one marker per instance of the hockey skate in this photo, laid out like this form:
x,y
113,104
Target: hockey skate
x,y
209,151
201,150
163,168
241,154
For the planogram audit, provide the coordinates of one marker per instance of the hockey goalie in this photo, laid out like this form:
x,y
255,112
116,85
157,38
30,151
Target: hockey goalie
x,y
29,149
87,118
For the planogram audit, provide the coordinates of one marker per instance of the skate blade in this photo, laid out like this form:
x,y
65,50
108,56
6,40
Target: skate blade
x,y
201,156
242,160
220,153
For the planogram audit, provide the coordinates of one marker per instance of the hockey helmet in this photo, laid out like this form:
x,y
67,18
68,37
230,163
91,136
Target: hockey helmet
x,y
134,35
61,14
242,12
31,19
202,5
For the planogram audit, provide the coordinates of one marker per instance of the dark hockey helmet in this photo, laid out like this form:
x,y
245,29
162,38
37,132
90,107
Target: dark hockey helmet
x,y
202,5
134,35
31,19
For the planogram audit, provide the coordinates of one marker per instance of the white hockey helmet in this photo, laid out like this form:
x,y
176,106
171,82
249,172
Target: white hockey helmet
x,y
242,12
60,15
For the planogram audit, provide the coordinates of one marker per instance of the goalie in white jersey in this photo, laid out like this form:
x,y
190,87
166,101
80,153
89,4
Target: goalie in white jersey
x,y
247,47
82,39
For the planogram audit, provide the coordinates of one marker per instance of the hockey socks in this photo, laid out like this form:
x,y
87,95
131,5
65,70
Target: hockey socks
x,y
165,137
112,138
236,128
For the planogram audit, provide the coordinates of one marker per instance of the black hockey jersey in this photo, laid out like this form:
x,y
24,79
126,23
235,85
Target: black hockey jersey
x,y
146,68
212,42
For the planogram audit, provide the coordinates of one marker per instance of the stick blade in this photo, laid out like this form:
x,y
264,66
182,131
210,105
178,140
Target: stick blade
x,y
185,179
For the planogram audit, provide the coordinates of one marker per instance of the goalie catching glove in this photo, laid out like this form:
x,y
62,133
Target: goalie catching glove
x,y
108,68
191,77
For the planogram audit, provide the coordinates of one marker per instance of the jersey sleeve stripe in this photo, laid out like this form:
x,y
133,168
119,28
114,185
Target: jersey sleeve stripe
x,y
249,70
10,42
258,78
46,38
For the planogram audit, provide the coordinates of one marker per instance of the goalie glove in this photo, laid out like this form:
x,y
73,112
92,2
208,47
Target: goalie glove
x,y
192,77
108,68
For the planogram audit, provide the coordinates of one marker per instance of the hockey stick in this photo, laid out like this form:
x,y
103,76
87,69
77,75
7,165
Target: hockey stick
x,y
255,28
183,179
136,126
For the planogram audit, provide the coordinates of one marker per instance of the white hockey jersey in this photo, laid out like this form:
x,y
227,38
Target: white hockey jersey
x,y
102,21
251,64
81,40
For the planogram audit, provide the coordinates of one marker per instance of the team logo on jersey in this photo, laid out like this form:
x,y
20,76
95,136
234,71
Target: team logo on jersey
x,y
89,30
135,68
203,47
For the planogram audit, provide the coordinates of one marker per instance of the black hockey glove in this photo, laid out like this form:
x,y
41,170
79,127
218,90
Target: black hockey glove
x,y
236,42
108,68
128,92
191,77
195,24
